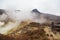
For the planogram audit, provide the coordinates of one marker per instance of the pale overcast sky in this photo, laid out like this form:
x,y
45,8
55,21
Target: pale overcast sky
x,y
46,6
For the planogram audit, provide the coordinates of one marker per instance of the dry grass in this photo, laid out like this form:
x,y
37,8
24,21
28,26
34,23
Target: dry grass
x,y
29,31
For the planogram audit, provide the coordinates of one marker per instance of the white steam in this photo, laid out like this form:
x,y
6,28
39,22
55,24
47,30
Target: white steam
x,y
18,17
24,15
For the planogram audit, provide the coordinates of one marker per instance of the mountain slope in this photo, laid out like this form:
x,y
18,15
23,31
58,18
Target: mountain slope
x,y
48,17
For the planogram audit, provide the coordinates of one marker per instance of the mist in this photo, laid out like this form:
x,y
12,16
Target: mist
x,y
18,17
25,7
46,6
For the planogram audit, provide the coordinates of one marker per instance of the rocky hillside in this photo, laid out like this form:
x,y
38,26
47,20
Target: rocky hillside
x,y
28,30
31,31
49,17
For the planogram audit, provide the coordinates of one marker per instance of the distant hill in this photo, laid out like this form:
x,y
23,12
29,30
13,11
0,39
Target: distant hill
x,y
49,17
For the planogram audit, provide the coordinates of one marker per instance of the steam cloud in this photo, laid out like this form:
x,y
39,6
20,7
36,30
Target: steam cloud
x,y
24,15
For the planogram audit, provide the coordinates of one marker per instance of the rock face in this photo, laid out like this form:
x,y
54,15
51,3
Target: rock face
x,y
35,10
2,11
3,16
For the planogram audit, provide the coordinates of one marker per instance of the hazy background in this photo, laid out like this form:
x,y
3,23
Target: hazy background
x,y
45,6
